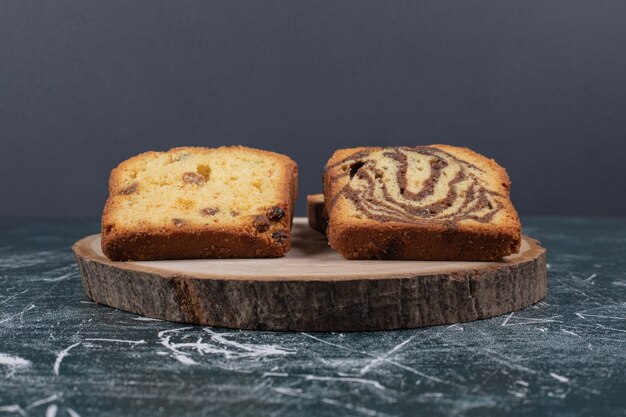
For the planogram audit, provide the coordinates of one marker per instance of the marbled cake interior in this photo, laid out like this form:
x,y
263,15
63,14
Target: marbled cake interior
x,y
415,185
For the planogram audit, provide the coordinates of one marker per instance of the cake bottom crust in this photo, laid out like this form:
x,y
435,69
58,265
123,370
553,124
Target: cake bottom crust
x,y
402,243
191,245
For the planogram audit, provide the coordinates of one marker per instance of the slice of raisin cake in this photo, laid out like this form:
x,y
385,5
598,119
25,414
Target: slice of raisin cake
x,y
228,202
434,202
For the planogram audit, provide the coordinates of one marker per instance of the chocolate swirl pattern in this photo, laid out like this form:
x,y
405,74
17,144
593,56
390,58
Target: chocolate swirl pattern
x,y
415,185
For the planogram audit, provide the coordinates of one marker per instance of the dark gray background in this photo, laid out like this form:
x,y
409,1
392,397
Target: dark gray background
x,y
538,85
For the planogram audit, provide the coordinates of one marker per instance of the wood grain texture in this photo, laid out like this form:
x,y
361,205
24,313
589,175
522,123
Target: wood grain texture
x,y
314,289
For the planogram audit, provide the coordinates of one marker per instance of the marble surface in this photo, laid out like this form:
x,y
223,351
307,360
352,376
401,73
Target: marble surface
x,y
62,355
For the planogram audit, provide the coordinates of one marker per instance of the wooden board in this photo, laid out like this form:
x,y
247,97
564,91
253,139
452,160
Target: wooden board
x,y
313,288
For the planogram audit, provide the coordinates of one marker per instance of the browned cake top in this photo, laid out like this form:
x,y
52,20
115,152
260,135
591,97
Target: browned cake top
x,y
424,183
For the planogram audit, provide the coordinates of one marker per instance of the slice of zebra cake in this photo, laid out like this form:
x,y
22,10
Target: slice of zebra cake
x,y
435,202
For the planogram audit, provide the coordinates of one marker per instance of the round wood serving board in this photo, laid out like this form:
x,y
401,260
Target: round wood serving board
x,y
313,288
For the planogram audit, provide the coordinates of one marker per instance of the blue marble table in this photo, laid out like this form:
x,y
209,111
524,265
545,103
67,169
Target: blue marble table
x,y
62,355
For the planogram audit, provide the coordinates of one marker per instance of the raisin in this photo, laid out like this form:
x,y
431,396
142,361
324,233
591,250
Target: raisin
x,y
280,236
209,211
261,223
193,178
275,213
178,222
130,189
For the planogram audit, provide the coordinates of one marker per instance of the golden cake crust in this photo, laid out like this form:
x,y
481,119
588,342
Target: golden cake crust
x,y
492,232
260,233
